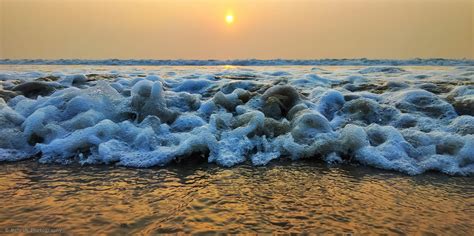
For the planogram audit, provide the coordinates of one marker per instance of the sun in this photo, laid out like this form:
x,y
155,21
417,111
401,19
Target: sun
x,y
229,19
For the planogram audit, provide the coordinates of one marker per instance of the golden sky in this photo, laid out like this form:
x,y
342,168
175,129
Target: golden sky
x,y
263,29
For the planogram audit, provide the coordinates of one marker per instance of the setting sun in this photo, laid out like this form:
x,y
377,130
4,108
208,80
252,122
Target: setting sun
x,y
229,19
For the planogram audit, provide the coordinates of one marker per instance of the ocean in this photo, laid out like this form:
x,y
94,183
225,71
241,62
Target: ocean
x,y
244,147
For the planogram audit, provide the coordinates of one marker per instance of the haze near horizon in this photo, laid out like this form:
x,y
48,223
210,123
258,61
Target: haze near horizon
x,y
212,29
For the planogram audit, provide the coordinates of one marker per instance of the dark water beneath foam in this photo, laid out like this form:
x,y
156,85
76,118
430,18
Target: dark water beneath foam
x,y
280,198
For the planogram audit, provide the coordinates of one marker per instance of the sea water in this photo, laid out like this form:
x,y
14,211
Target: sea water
x,y
236,149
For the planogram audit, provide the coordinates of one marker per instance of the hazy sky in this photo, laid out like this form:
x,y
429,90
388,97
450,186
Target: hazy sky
x,y
293,29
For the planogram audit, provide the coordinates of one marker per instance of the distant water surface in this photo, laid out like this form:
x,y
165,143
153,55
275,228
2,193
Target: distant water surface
x,y
282,197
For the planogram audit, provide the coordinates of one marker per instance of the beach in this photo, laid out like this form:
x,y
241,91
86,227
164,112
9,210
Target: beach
x,y
283,197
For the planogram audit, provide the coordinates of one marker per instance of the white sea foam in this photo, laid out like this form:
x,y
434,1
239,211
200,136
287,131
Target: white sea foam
x,y
405,119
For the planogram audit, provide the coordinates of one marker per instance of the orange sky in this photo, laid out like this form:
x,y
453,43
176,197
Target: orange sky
x,y
263,29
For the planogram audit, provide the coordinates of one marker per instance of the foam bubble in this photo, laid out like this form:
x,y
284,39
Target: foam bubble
x,y
247,115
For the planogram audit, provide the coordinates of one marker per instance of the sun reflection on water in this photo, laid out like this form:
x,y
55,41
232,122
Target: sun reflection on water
x,y
281,198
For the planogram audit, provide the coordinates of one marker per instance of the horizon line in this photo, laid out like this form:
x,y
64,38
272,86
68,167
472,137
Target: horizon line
x,y
242,62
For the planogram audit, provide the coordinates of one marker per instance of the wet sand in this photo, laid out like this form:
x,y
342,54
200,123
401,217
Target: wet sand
x,y
283,197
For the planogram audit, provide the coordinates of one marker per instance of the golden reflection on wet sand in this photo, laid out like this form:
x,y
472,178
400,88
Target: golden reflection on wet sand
x,y
280,198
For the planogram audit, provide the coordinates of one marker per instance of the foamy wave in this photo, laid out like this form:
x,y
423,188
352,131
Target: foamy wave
x,y
395,118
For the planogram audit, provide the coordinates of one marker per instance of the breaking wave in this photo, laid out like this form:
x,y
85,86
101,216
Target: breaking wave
x,y
388,117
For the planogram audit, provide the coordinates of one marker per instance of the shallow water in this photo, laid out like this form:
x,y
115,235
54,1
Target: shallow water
x,y
283,197
411,119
